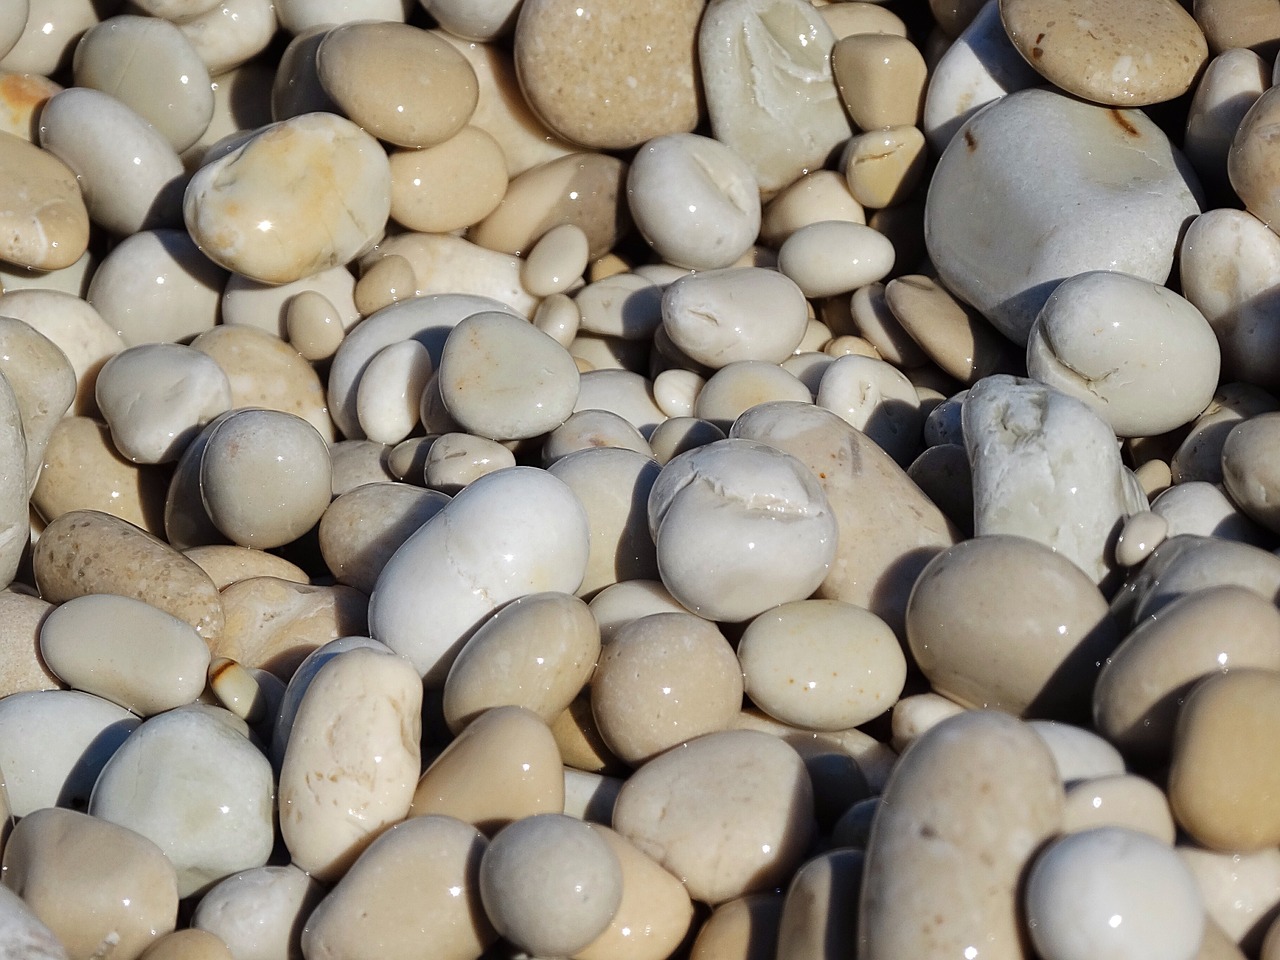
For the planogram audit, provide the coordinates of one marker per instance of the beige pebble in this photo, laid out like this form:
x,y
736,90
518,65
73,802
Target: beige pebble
x,y
24,931
1229,86
312,325
1221,771
833,256
718,317
730,813
916,714
1150,55
817,196
590,796
556,261
45,223
1241,890
457,459
881,78
1186,563
949,629
119,899
227,564
1251,167
661,681
676,391
1143,684
1240,23
357,462
414,890
362,528
273,623
398,82
1141,533
1155,477
742,929
581,188
483,21
821,664
878,399
352,758
386,280
389,392
1120,800
874,760
537,652
612,76
1199,456
238,690
232,33
813,923
1249,468
187,945
84,552
617,605
1078,753
1202,508
504,766
43,384
966,809
45,47
23,668
21,97
884,166
558,317
266,306
626,305
623,392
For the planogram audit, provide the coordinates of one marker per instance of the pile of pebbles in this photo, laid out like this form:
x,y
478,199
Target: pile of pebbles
x,y
607,480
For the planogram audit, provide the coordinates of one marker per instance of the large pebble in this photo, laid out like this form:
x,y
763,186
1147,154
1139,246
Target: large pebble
x,y
1039,656
44,222
963,813
441,583
1251,165
718,317
247,212
352,759
195,786
363,528
259,912
1129,193
116,901
729,813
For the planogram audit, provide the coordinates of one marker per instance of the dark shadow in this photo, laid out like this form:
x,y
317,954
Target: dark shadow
x,y
78,786
166,209
1067,695
892,590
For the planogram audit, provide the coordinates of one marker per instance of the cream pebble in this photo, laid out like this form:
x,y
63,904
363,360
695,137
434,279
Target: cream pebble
x,y
812,923
454,184
817,196
265,477
833,256
258,912
1114,890
266,305
1249,469
740,313
312,325
626,305
737,387
43,384
876,398
558,317
1119,800
556,262
1229,86
1141,533
878,322
388,395
694,200
238,690
1187,563
1241,891
623,392
588,429
126,651
1078,753
232,33
457,459
738,928
884,167
676,391
45,220
881,78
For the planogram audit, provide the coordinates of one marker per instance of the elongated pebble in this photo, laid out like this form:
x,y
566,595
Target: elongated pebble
x,y
832,256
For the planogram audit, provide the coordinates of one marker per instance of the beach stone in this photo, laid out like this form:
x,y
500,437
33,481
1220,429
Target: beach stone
x,y
963,814
43,384
1031,478
448,186
24,936
1049,653
415,889
813,921
246,215
1239,23
1249,469
267,306
226,564
1251,164
1078,753
259,912
752,836
1130,191
21,666
118,901
881,78
608,75
187,945
1120,800
771,97
1241,891
363,527
439,264
21,97
878,399
768,326
746,928
193,785
84,552
44,224
818,195
351,761
1199,507
1230,85
398,82
1150,55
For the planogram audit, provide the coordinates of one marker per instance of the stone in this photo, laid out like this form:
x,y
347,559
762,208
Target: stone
x,y
767,310
227,564
1120,800
45,223
363,528
1239,23
23,668
1241,891
878,399
881,78
833,257
1248,468
448,186
187,945
1229,86
232,33
746,927
259,912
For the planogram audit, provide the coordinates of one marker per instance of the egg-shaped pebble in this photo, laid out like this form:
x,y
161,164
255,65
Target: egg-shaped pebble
x,y
118,899
821,664
1186,563
197,788
881,78
694,200
739,313
624,392
1078,753
1251,165
247,214
724,550
502,378
388,395
439,585
1141,533
962,815
1111,891
265,477
44,218
626,305
834,256
1199,507
126,651
359,724
1229,86
813,922
739,927
415,889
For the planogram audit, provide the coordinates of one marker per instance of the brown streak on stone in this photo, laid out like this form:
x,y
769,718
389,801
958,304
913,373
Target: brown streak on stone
x,y
970,140
1124,124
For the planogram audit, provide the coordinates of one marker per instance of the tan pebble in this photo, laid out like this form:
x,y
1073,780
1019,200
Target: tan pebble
x,y
1119,800
44,223
559,318
663,680
626,305
1054,627
407,460
351,761
226,564
1218,946
273,623
556,261
232,33
1155,476
84,552
1252,168
654,914
743,929
915,715
832,257
813,925
446,264
730,813
362,528
1141,533
187,945
21,97
606,353
848,18
398,82
1240,23
884,166
881,78
1241,891
357,462
850,346
237,689
387,280
965,811
1143,684
504,766
415,890
23,668
1222,771
578,739
608,265
117,900
448,186
483,21
312,326
612,76
617,605
820,195
537,652
1150,55
582,188
1199,456
874,320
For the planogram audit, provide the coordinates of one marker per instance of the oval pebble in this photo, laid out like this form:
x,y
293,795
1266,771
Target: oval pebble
x,y
833,256
740,313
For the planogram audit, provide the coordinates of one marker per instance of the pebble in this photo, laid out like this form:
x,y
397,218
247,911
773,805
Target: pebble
x,y
484,21
1201,508
881,78
737,387
389,392
82,470
415,889
243,212
766,75
1241,891
883,167
21,97
453,184
193,784
955,641
817,196
1229,86
1078,753
832,257
362,528
1199,456
625,305
1248,470
43,387
589,430
267,306
556,262
1141,534
352,759
1250,166
120,900
1186,563
45,223
1114,891
878,399
812,923
1128,192
259,912
232,33
1119,800
610,77
961,818
718,317
26,938
729,813
187,945
745,928
23,668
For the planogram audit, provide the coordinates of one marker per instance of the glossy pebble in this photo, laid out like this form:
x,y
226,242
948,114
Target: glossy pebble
x,y
259,911
45,223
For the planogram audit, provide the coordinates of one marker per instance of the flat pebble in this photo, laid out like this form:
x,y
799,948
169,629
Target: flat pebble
x,y
745,840
952,334
1114,891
